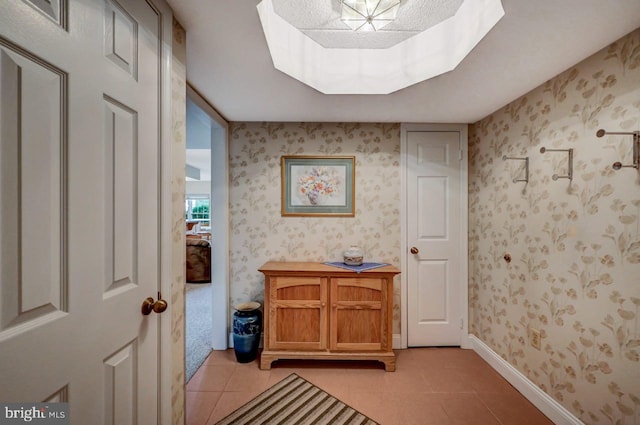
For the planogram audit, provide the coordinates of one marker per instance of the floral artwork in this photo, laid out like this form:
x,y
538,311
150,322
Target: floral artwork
x,y
317,186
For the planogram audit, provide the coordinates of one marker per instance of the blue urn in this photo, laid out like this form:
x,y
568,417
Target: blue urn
x,y
247,323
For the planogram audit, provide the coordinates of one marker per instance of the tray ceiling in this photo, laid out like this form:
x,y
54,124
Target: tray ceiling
x,y
229,64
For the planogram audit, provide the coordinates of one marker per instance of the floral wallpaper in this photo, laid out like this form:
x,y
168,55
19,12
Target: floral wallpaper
x,y
258,232
575,245
179,137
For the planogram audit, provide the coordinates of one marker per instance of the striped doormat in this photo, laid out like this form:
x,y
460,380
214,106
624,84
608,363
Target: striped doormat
x,y
295,401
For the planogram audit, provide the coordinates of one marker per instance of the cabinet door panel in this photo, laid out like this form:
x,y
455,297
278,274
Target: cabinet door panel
x,y
358,327
358,314
298,313
297,325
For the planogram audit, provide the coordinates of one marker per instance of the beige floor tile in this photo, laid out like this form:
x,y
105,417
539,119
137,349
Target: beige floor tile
x,y
431,386
210,378
406,380
200,405
446,380
485,380
366,380
513,409
221,357
467,409
248,378
422,409
378,406
228,402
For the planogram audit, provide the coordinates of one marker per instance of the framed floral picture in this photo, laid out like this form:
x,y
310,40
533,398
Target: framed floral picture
x,y
318,186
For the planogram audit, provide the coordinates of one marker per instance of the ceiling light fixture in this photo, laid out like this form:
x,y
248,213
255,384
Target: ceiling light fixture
x,y
369,15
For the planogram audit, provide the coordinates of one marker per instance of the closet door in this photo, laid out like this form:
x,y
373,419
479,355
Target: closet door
x,y
436,248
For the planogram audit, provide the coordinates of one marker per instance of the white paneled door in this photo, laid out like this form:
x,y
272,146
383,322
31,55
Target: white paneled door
x,y
79,225
434,258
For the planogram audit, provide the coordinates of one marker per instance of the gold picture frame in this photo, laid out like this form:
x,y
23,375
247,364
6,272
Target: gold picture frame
x,y
321,186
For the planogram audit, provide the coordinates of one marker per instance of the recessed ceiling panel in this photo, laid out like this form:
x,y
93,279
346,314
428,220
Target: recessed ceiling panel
x,y
320,21
348,39
431,52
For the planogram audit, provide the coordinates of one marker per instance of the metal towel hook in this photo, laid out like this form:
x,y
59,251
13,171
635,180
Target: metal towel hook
x,y
569,166
636,147
526,168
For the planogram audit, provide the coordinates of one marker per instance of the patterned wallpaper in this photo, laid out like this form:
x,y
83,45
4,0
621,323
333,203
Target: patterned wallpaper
x,y
179,137
258,233
575,273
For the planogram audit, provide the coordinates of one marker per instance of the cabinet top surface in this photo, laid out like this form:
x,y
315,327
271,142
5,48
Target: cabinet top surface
x,y
311,267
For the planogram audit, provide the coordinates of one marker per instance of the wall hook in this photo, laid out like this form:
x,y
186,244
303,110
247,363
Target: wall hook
x,y
526,168
636,147
569,166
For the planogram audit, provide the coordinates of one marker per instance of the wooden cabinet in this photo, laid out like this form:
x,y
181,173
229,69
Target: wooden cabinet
x,y
315,311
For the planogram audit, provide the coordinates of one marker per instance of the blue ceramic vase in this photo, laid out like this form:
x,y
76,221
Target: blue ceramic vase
x,y
247,323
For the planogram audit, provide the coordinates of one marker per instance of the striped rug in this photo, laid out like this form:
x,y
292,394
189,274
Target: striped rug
x,y
295,401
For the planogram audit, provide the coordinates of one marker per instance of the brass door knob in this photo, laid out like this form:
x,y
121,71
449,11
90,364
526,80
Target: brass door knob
x,y
414,250
149,305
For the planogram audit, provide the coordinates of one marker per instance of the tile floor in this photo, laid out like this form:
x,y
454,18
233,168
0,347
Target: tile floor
x,y
439,386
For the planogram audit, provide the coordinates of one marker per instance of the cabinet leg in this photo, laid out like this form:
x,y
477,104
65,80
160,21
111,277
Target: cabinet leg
x,y
390,365
265,362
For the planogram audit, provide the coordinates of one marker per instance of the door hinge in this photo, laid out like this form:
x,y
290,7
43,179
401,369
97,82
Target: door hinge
x,y
460,155
461,323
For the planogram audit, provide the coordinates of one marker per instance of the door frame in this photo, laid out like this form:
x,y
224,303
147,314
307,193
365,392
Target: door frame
x,y
219,219
464,226
165,343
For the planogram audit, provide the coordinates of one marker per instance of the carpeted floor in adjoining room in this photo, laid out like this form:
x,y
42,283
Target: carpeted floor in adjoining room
x,y
198,326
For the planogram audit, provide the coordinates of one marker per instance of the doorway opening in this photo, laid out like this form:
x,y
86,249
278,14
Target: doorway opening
x,y
207,247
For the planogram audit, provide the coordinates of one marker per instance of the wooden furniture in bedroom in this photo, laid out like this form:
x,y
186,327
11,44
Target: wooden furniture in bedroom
x,y
316,311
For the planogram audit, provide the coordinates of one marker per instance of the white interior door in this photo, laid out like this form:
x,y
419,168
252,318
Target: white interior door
x,y
434,258
79,224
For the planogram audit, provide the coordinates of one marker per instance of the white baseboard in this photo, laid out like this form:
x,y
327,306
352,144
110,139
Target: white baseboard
x,y
543,401
397,342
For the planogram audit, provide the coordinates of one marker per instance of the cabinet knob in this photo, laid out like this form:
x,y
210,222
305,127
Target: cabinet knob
x,y
335,306
323,304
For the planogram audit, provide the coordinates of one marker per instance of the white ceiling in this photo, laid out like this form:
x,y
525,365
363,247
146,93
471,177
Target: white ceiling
x,y
229,64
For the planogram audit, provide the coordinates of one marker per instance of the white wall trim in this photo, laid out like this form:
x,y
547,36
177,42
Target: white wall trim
x,y
166,362
403,238
397,342
543,401
219,222
464,226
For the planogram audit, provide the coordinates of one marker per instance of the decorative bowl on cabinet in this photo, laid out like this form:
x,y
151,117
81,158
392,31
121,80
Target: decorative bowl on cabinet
x,y
353,256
